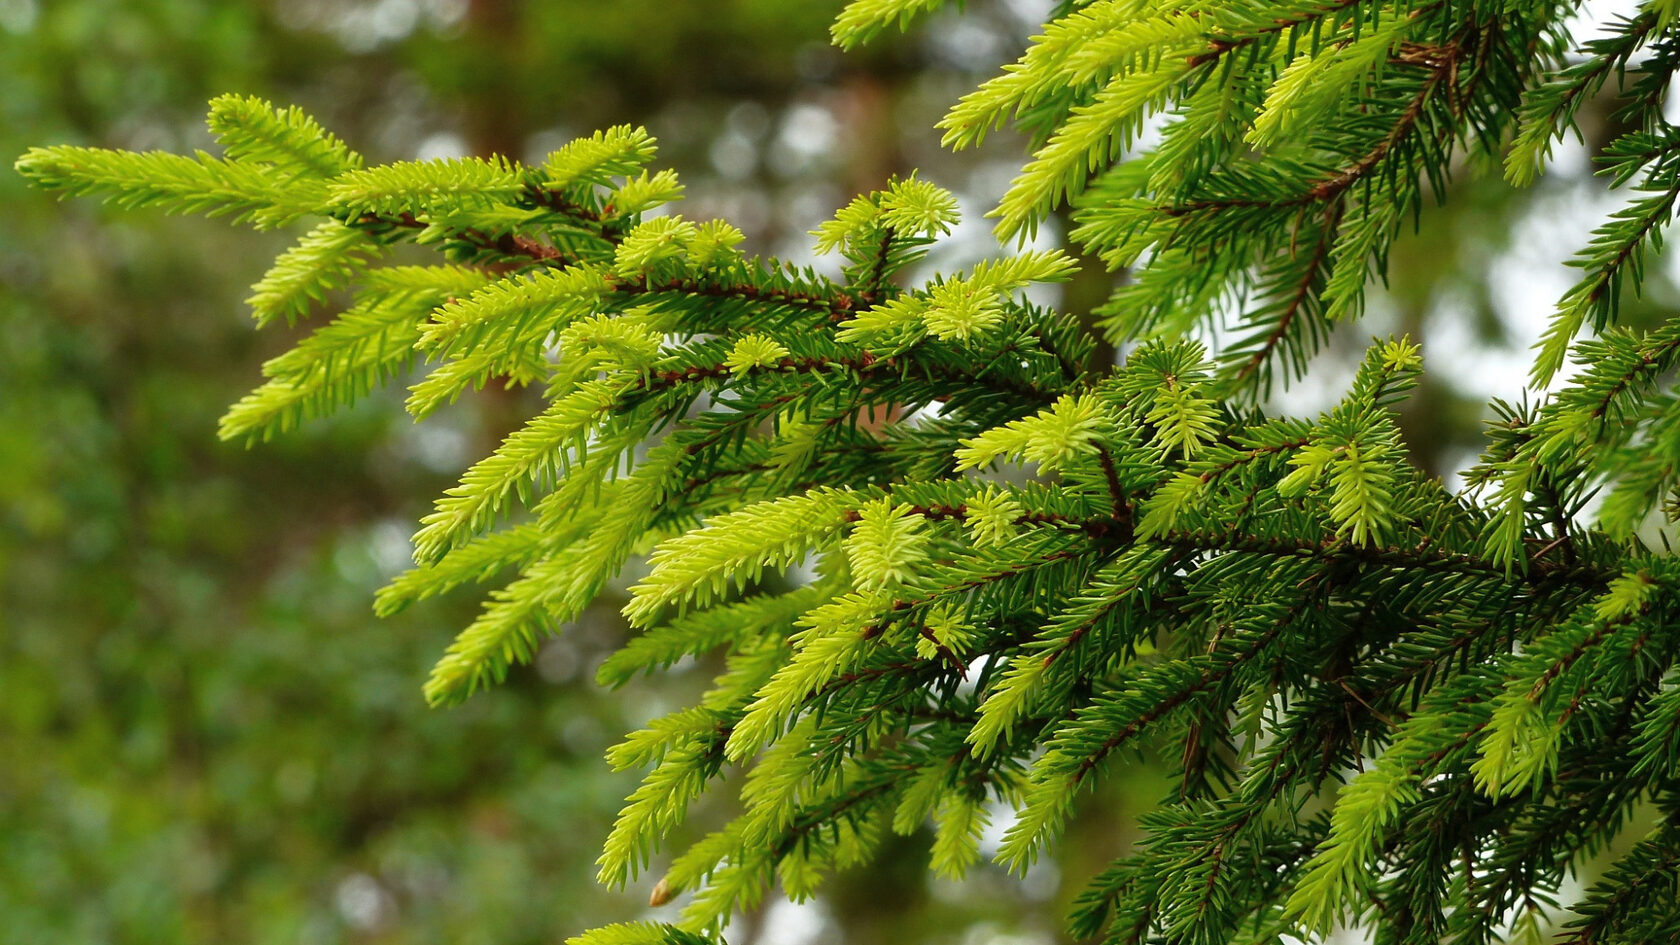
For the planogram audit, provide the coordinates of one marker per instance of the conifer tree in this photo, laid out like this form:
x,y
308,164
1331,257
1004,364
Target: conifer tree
x,y
1393,706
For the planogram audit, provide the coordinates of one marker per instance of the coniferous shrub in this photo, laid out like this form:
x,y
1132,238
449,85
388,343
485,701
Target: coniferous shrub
x,y
1393,706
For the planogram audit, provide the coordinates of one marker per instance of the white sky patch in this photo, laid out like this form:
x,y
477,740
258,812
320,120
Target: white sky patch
x,y
796,923
363,902
998,818
808,133
966,42
438,447
1591,18
1031,14
1042,880
444,144
1455,351
1530,278
390,545
18,16
734,156
989,933
804,571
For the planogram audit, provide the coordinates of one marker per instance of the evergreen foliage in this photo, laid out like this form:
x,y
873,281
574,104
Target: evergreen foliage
x,y
1394,706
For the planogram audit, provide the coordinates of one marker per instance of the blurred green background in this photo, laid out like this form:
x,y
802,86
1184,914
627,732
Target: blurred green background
x,y
205,736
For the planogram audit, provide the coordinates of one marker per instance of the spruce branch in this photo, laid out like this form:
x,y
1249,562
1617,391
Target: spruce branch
x,y
1006,565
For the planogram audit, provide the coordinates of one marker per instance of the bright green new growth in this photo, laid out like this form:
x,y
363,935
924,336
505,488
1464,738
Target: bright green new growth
x,y
1390,705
